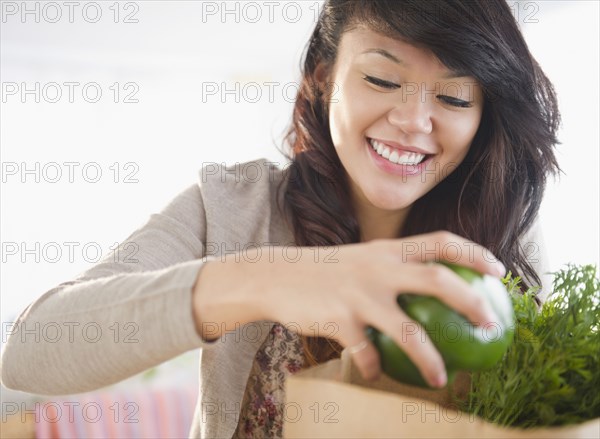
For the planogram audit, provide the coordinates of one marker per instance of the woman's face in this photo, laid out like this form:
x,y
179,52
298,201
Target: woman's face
x,y
401,100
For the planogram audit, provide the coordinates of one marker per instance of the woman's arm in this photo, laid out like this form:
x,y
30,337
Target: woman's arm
x,y
340,293
161,303
131,311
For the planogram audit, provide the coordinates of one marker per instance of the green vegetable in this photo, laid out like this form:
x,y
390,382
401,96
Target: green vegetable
x,y
550,374
462,345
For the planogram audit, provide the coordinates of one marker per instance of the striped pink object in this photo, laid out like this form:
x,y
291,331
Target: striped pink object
x,y
165,413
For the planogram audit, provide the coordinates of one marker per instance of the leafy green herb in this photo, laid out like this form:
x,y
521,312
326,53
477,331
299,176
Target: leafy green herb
x,y
550,375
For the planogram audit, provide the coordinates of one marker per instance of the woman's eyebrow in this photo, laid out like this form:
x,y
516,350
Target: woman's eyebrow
x,y
454,74
386,54
450,75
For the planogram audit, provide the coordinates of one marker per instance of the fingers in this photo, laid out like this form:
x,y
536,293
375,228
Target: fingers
x,y
363,353
439,281
447,246
413,340
407,334
434,280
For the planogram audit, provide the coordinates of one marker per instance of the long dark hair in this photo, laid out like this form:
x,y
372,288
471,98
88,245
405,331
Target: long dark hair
x,y
494,195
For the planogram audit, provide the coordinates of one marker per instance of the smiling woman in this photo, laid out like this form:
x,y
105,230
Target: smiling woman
x,y
417,131
422,131
488,138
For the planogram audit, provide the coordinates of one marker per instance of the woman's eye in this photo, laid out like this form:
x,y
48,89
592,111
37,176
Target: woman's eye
x,y
455,102
381,82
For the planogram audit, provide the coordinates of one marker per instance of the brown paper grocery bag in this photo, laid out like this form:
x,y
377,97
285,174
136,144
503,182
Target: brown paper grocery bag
x,y
332,401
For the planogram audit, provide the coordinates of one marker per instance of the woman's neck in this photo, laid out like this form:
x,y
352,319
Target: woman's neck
x,y
380,224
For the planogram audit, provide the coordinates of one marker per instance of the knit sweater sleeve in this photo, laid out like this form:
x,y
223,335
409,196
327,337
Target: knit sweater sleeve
x,y
129,312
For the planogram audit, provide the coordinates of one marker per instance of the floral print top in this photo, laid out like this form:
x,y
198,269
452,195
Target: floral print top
x,y
261,413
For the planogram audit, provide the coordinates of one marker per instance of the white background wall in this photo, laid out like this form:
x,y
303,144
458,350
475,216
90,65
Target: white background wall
x,y
167,54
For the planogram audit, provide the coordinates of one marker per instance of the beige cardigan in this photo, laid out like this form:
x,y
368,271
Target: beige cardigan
x,y
153,289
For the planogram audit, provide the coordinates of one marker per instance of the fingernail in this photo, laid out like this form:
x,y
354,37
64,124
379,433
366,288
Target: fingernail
x,y
440,380
500,268
490,318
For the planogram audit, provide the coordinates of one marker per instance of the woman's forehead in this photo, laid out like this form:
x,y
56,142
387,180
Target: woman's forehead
x,y
363,43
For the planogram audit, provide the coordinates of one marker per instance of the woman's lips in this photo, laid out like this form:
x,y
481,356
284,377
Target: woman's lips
x,y
399,147
397,169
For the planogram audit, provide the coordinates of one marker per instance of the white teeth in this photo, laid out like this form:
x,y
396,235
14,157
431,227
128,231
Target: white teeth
x,y
410,159
394,156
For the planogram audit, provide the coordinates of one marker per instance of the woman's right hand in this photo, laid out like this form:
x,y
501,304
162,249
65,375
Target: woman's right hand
x,y
347,288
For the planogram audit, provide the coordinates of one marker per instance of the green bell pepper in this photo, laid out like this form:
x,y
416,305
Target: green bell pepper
x,y
462,345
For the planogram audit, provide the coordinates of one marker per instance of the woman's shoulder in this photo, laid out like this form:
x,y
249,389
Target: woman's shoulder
x,y
251,177
242,195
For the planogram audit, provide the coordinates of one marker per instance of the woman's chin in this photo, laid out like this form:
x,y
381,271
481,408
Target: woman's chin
x,y
391,202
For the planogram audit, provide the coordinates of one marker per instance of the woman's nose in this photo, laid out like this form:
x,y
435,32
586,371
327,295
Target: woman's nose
x,y
412,114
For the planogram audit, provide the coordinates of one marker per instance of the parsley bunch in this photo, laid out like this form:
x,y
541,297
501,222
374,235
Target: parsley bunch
x,y
550,375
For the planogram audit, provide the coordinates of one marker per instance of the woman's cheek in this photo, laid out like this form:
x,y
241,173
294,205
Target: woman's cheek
x,y
461,130
334,125
367,110
349,116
